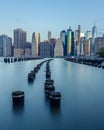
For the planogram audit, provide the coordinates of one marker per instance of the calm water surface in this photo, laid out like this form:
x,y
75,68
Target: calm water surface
x,y
82,103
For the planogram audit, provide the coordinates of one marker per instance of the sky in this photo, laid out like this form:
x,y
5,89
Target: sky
x,y
54,15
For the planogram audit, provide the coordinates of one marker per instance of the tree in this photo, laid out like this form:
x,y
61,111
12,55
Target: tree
x,y
101,52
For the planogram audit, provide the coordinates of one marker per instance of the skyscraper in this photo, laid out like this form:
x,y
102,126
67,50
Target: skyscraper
x,y
49,36
35,42
99,43
45,49
58,50
70,42
78,40
88,34
63,37
1,46
94,35
5,45
19,42
82,45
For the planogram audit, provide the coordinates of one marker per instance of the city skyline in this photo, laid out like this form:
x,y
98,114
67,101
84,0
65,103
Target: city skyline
x,y
42,16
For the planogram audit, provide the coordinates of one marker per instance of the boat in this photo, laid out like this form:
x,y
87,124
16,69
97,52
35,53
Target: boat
x,y
18,97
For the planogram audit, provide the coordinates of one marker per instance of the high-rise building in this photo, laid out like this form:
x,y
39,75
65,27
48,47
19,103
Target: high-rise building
x,y
78,40
87,47
99,43
45,49
53,41
9,47
94,35
35,42
70,42
5,45
58,50
82,45
88,34
63,36
19,42
49,35
28,49
1,46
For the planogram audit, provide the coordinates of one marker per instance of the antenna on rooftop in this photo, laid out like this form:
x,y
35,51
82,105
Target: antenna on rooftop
x,y
94,22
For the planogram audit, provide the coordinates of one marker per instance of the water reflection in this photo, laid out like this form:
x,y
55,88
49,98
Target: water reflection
x,y
55,108
46,98
18,108
30,83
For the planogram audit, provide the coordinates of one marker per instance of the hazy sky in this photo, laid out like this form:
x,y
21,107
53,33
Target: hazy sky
x,y
55,15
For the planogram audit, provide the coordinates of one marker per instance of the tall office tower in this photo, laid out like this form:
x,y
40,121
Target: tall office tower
x,y
53,41
99,43
94,35
87,46
78,42
49,35
82,45
5,45
19,42
28,51
45,49
1,46
88,34
35,42
70,42
9,47
58,50
63,37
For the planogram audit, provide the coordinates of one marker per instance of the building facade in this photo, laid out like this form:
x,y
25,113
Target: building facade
x,y
99,43
94,35
35,42
70,42
5,45
28,51
88,34
1,46
19,42
63,36
58,50
77,39
45,49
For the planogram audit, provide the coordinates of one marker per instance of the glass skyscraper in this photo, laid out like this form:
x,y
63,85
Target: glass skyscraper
x,y
19,42
58,50
70,42
35,42
94,35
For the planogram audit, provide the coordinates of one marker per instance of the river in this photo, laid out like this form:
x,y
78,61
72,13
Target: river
x,y
82,101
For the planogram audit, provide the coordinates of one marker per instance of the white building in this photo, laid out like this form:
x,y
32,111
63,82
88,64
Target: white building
x,y
58,50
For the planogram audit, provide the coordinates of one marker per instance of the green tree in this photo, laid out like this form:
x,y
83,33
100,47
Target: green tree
x,y
101,52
